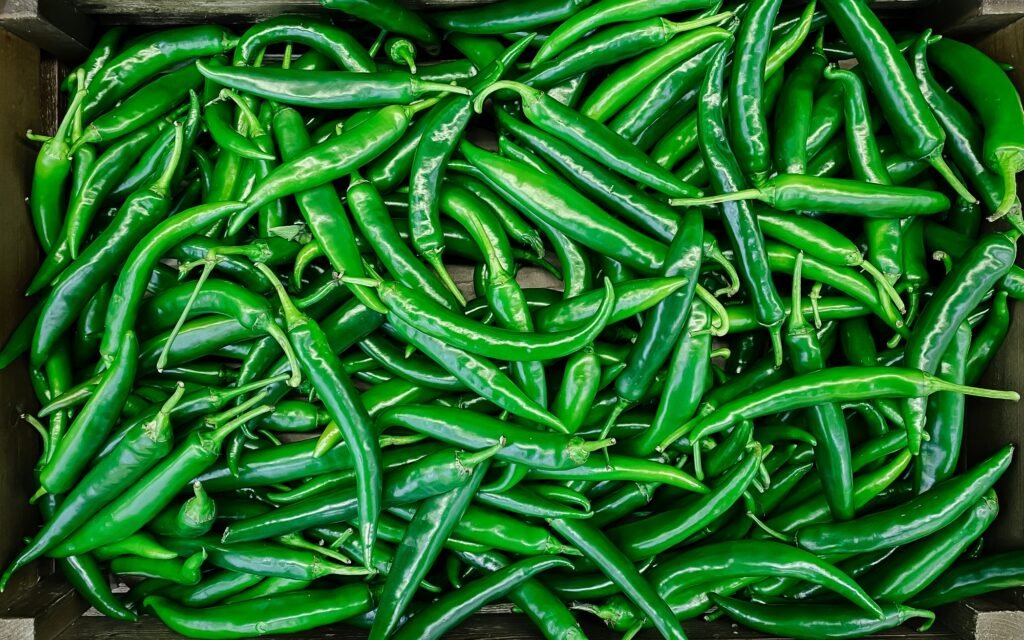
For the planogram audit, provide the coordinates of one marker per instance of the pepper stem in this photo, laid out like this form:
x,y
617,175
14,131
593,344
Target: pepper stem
x,y
526,93
473,459
1008,168
250,116
279,336
218,419
690,25
772,532
617,410
38,426
590,446
815,296
742,194
884,286
422,86
292,315
433,258
69,118
633,630
938,384
730,271
296,541
939,164
209,262
796,314
928,616
722,328
162,185
220,433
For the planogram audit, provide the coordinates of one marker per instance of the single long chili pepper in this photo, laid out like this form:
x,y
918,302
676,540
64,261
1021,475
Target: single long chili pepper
x,y
537,194
507,17
958,294
341,399
589,137
912,520
90,428
907,573
325,89
335,44
280,613
739,219
793,113
986,342
945,418
137,505
152,162
103,50
617,566
818,621
604,13
734,559
140,449
836,384
211,589
612,45
627,468
987,88
389,16
418,371
627,80
917,131
749,133
515,226
142,107
459,427
186,572
956,245
433,523
322,209
661,531
974,577
270,560
580,383
130,286
788,192
524,501
434,320
480,375
149,55
50,178
631,298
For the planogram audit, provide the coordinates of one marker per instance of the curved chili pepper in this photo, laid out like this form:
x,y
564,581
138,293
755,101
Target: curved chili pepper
x,y
194,518
988,339
149,55
974,577
814,621
994,97
912,520
507,17
333,43
435,520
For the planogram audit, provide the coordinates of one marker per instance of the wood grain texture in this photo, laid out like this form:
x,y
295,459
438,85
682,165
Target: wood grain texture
x,y
56,26
19,258
42,613
964,18
984,619
492,627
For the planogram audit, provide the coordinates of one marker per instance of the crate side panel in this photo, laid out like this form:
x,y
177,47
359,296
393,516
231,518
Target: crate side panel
x,y
19,258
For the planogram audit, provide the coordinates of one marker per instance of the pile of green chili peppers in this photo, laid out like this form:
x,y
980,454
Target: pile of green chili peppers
x,y
289,373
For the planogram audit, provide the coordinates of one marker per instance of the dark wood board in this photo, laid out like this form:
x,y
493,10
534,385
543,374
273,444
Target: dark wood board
x,y
492,627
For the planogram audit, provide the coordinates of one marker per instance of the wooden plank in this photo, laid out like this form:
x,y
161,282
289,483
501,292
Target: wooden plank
x,y
42,613
499,626
56,26
19,258
964,18
984,619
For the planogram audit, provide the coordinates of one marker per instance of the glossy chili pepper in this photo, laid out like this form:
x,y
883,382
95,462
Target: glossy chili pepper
x,y
974,577
434,521
904,575
332,42
480,375
149,55
537,194
192,519
739,219
341,399
987,88
815,621
612,45
50,179
793,113
617,567
912,520
972,277
213,588
459,427
986,342
507,17
186,572
103,50
281,613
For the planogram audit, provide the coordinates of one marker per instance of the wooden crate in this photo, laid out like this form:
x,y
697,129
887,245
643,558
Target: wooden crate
x,y
43,36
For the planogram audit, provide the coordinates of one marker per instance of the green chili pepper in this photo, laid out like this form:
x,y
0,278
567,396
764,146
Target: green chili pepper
x,y
974,577
333,43
507,17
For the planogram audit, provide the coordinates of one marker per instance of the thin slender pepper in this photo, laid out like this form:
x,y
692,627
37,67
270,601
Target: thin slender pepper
x,y
974,577
793,113
332,42
506,17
